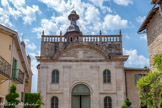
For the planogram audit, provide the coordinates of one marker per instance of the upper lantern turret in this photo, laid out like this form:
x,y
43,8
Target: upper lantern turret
x,y
73,17
73,29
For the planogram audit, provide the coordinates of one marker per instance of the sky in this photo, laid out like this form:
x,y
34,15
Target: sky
x,y
30,17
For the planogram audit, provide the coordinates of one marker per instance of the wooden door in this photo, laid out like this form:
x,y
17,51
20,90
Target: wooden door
x,y
85,101
75,101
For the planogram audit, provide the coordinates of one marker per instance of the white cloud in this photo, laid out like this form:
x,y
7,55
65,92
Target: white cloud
x,y
144,37
18,3
123,2
135,59
98,2
4,19
34,64
126,36
92,15
58,5
30,45
106,9
47,25
19,9
33,54
114,22
140,19
29,13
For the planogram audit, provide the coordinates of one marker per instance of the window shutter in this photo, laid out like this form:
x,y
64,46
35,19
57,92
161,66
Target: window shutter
x,y
136,78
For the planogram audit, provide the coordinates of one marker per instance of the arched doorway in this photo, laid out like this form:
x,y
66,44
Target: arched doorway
x,y
80,97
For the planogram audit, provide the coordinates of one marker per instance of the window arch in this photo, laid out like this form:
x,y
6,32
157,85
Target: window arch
x,y
55,76
54,102
107,76
107,102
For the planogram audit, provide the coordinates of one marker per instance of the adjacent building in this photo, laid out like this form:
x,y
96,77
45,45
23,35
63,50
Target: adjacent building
x,y
14,64
85,71
152,25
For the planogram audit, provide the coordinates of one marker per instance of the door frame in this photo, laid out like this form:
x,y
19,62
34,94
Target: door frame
x,y
81,83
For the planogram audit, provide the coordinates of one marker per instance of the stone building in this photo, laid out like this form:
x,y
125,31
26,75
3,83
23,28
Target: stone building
x,y
85,71
152,25
14,64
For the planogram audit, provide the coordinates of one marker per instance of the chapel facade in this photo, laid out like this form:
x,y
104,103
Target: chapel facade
x,y
85,71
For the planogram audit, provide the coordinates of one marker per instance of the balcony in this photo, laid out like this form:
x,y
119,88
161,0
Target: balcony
x,y
5,69
17,76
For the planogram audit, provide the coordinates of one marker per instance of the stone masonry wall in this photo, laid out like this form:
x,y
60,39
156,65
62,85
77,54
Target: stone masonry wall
x,y
154,35
51,48
88,73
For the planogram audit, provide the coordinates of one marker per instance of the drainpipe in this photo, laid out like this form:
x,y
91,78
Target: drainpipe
x,y
126,84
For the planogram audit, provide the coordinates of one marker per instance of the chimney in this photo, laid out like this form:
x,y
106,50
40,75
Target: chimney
x,y
23,44
29,60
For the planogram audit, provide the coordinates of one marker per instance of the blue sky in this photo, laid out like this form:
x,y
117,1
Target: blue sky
x,y
30,17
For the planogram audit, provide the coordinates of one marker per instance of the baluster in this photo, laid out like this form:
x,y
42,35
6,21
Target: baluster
x,y
48,39
42,38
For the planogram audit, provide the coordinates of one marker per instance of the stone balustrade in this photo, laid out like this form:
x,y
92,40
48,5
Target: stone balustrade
x,y
84,38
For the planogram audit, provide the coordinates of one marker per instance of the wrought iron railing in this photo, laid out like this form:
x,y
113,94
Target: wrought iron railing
x,y
18,75
5,67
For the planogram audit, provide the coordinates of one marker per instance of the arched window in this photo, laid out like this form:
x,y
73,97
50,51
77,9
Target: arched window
x,y
55,76
54,102
107,76
107,102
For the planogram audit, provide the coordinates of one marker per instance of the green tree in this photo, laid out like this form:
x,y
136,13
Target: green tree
x,y
158,61
11,98
160,104
150,86
127,103
33,100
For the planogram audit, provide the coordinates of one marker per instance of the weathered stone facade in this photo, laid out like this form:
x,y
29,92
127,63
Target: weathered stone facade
x,y
154,36
82,59
153,27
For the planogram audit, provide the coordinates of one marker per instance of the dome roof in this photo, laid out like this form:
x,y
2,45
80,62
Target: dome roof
x,y
74,15
73,12
73,27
